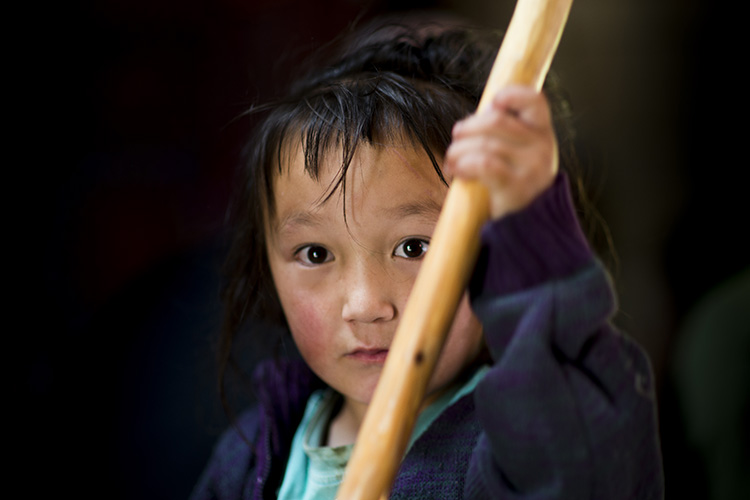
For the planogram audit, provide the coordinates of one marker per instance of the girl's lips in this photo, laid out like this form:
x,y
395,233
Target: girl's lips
x,y
369,355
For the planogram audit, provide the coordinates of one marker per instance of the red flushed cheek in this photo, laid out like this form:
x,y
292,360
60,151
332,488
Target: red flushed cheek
x,y
310,330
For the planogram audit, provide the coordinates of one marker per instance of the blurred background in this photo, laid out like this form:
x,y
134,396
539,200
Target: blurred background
x,y
132,144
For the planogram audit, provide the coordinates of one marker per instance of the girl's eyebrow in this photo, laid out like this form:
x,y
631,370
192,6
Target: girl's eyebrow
x,y
299,219
427,206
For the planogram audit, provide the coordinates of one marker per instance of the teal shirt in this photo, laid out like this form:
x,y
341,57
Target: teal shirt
x,y
314,472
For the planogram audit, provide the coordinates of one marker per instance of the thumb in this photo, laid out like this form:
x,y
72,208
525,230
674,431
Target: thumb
x,y
525,103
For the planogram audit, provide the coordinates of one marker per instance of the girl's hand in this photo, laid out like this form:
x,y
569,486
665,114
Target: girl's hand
x,y
510,147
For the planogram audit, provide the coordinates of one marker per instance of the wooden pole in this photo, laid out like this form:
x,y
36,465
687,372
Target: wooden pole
x,y
524,59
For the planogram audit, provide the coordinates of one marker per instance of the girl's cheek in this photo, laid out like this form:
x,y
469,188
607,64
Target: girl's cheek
x,y
306,320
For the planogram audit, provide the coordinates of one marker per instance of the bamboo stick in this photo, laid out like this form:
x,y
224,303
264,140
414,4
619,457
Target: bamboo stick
x,y
524,58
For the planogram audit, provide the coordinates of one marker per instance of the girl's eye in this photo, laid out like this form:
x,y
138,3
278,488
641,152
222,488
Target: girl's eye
x,y
413,248
314,255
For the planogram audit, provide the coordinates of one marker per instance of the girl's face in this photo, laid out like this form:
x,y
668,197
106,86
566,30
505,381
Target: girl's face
x,y
343,284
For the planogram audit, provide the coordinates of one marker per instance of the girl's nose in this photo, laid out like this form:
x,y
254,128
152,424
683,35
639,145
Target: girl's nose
x,y
368,297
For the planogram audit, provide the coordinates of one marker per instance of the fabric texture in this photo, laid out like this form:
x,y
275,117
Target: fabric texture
x,y
316,472
566,411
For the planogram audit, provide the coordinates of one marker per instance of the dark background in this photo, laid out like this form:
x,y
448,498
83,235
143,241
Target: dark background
x,y
128,145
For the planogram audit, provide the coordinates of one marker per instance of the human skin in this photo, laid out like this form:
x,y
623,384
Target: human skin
x,y
343,283
510,147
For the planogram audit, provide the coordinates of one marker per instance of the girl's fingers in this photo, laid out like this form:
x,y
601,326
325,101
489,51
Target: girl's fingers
x,y
478,156
510,147
494,121
530,107
493,160
517,115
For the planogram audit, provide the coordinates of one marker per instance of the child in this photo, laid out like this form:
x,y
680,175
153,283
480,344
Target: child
x,y
534,396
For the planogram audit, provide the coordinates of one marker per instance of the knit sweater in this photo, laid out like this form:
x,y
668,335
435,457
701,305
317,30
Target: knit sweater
x,y
567,409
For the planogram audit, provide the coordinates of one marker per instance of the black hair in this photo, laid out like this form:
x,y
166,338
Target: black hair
x,y
383,83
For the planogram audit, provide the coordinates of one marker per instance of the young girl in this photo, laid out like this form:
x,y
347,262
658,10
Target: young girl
x,y
534,396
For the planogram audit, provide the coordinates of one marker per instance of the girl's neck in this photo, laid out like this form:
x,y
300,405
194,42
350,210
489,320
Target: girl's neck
x,y
344,426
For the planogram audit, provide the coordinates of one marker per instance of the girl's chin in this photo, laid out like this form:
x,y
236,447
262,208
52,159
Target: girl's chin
x,y
359,400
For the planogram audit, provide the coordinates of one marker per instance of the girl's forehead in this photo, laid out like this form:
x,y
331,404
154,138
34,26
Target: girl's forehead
x,y
380,178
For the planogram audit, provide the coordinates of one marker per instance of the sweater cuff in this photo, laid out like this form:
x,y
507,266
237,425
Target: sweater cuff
x,y
542,242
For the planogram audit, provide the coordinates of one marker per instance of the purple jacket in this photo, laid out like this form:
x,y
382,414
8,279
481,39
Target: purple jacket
x,y
566,411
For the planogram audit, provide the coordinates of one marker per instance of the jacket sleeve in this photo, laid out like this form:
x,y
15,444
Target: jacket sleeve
x,y
568,407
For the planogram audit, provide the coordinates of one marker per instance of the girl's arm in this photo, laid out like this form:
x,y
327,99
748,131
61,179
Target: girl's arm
x,y
568,407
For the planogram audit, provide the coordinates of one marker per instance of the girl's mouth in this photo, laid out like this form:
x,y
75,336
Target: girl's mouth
x,y
375,356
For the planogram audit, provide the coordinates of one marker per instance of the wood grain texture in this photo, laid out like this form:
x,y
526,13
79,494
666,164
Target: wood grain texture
x,y
524,59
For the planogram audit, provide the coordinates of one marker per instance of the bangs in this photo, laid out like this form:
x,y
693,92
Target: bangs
x,y
374,108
